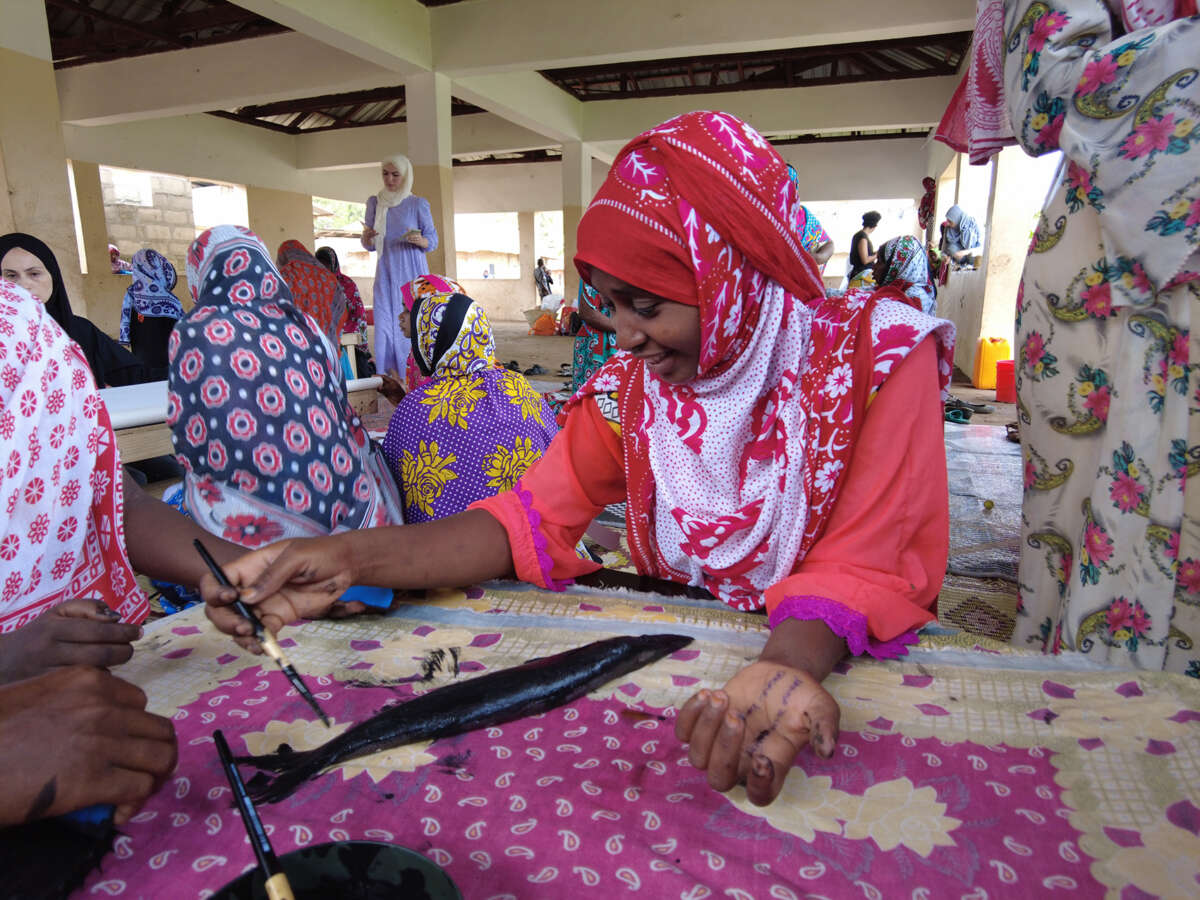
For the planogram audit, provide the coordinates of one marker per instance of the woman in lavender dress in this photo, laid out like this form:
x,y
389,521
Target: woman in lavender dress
x,y
399,226
473,428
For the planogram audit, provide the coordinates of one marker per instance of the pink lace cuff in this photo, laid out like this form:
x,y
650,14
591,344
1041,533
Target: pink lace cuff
x,y
846,623
545,562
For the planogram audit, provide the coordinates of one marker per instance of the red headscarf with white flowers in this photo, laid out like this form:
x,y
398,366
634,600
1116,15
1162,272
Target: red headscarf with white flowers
x,y
63,533
731,476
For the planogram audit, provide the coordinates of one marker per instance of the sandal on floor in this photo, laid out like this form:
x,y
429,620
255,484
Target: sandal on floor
x,y
1014,432
535,369
958,403
958,416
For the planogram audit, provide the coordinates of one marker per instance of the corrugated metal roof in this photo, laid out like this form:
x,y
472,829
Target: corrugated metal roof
x,y
87,31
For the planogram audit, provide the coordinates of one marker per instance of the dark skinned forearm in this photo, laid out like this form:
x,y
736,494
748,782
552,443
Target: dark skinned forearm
x,y
808,645
459,550
159,539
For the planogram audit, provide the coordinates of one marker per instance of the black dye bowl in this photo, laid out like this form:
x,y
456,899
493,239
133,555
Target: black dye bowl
x,y
351,870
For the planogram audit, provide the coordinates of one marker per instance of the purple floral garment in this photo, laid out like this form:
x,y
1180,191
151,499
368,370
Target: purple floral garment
x,y
470,431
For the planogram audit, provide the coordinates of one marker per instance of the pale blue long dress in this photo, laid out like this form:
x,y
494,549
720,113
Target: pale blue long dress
x,y
398,263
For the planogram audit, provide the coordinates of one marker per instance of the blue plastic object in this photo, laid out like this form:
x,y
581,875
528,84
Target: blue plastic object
x,y
97,814
371,596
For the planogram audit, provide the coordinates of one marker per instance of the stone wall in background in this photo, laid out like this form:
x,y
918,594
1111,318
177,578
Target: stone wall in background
x,y
144,209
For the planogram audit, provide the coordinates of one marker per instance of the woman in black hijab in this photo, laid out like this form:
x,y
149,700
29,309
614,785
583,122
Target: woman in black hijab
x,y
21,258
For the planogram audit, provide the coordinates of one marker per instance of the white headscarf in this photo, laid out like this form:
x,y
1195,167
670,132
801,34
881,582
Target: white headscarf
x,y
385,199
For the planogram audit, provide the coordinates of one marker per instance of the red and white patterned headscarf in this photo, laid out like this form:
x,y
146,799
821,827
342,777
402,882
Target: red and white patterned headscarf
x,y
731,476
60,486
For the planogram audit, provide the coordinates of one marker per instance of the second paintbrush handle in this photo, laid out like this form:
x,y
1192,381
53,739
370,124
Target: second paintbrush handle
x,y
277,888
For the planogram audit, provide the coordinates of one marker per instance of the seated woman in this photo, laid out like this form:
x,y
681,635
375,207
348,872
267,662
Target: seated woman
x,y
150,310
862,251
356,313
903,262
258,411
26,261
779,448
75,527
473,428
315,290
410,294
813,236
596,342
961,235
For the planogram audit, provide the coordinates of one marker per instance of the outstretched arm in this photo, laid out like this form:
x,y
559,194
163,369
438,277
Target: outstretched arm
x,y
822,254
159,539
873,576
304,578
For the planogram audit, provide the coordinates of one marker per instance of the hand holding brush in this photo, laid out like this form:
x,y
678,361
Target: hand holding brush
x,y
269,644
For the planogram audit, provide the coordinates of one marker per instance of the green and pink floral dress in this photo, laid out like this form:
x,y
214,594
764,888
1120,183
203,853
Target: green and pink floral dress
x,y
1110,414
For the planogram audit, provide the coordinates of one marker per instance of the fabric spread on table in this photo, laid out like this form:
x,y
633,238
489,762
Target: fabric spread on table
x,y
966,766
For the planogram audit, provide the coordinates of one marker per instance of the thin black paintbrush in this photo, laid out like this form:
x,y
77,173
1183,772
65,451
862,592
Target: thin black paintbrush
x,y
265,638
277,886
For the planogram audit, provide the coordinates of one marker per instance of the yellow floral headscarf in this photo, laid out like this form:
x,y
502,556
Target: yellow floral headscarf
x,y
451,335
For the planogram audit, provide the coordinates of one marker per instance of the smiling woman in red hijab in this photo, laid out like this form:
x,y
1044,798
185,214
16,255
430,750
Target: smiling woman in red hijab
x,y
778,448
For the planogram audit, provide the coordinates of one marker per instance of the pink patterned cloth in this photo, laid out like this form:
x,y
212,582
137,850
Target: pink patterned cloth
x,y
598,796
976,121
63,533
950,779
1137,14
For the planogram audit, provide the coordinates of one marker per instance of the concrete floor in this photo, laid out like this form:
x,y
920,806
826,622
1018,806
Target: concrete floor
x,y
1005,412
513,341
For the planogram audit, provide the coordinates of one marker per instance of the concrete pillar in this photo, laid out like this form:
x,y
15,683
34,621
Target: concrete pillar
x,y
1006,240
526,259
7,223
427,101
104,290
577,193
277,216
34,176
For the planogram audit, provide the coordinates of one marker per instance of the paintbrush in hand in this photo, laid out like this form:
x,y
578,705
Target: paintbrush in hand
x,y
276,886
269,644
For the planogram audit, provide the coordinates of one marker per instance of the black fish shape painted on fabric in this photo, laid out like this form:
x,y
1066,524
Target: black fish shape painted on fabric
x,y
534,687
